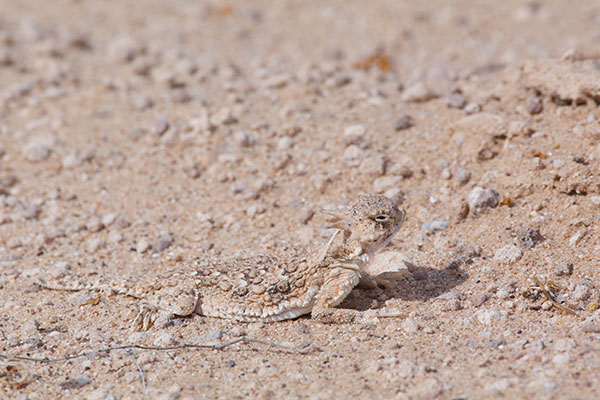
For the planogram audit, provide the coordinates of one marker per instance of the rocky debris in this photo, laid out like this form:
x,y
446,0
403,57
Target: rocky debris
x,y
7,180
480,199
592,323
462,175
76,158
409,325
418,92
389,265
535,105
478,299
403,123
530,237
142,246
565,83
39,147
456,101
305,215
434,226
354,135
508,254
581,292
94,224
564,268
490,316
164,242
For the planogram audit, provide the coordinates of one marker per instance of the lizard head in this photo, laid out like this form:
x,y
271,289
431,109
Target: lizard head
x,y
371,221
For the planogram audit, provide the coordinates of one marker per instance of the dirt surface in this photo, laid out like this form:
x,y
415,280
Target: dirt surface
x,y
138,135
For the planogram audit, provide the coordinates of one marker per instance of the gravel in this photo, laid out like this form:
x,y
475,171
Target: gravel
x,y
508,254
481,199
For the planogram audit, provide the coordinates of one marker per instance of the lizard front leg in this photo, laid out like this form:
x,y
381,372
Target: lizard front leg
x,y
338,283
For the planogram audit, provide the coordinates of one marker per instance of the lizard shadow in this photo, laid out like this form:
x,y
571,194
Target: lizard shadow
x,y
421,284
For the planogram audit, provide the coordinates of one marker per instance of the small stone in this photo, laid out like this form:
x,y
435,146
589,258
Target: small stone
x,y
242,139
479,299
582,292
116,237
285,143
480,199
446,174
161,126
577,237
108,219
453,305
94,225
530,237
142,246
164,242
164,339
305,215
535,105
462,175
561,359
472,108
508,254
230,363
353,156
396,195
14,242
592,323
389,265
403,123
502,294
354,134
434,226
418,92
595,200
223,116
456,101
490,316
564,268
36,151
95,244
409,325
82,380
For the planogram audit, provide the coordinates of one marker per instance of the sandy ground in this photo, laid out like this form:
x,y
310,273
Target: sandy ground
x,y
138,135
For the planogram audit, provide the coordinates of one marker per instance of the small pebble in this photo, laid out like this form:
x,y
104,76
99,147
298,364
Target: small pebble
x,y
164,339
434,226
456,101
164,242
418,92
564,268
462,175
558,163
94,224
409,325
108,219
230,364
508,254
490,316
478,299
404,122
305,215
82,380
535,105
95,244
161,126
480,199
502,294
581,293
142,245
472,108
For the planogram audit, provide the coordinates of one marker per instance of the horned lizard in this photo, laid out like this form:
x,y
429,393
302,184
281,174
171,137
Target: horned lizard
x,y
267,288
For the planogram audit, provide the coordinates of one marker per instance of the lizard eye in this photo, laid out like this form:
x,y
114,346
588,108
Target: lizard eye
x,y
381,218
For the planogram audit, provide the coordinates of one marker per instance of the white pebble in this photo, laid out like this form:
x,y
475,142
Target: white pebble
x,y
508,254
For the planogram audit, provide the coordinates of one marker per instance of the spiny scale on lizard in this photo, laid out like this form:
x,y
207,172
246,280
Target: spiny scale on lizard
x,y
269,288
